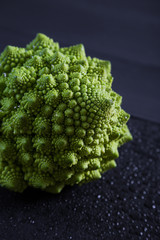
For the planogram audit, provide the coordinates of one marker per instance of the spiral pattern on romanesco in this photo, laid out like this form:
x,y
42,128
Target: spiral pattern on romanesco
x,y
60,121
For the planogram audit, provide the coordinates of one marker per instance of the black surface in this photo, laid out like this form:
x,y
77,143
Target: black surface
x,y
124,204
125,32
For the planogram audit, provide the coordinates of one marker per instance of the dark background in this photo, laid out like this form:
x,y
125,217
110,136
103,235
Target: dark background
x,y
125,32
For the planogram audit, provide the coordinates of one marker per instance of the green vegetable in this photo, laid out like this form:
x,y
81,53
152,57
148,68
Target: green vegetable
x,y
60,121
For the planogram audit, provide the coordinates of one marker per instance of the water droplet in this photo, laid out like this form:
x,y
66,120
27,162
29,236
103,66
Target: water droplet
x,y
32,221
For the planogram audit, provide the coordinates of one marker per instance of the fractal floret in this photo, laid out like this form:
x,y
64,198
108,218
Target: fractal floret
x,y
60,121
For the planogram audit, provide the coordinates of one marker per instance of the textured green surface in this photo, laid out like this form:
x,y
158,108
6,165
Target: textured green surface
x,y
61,123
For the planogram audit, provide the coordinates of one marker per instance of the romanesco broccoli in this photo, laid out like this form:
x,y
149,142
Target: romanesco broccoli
x,y
60,121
